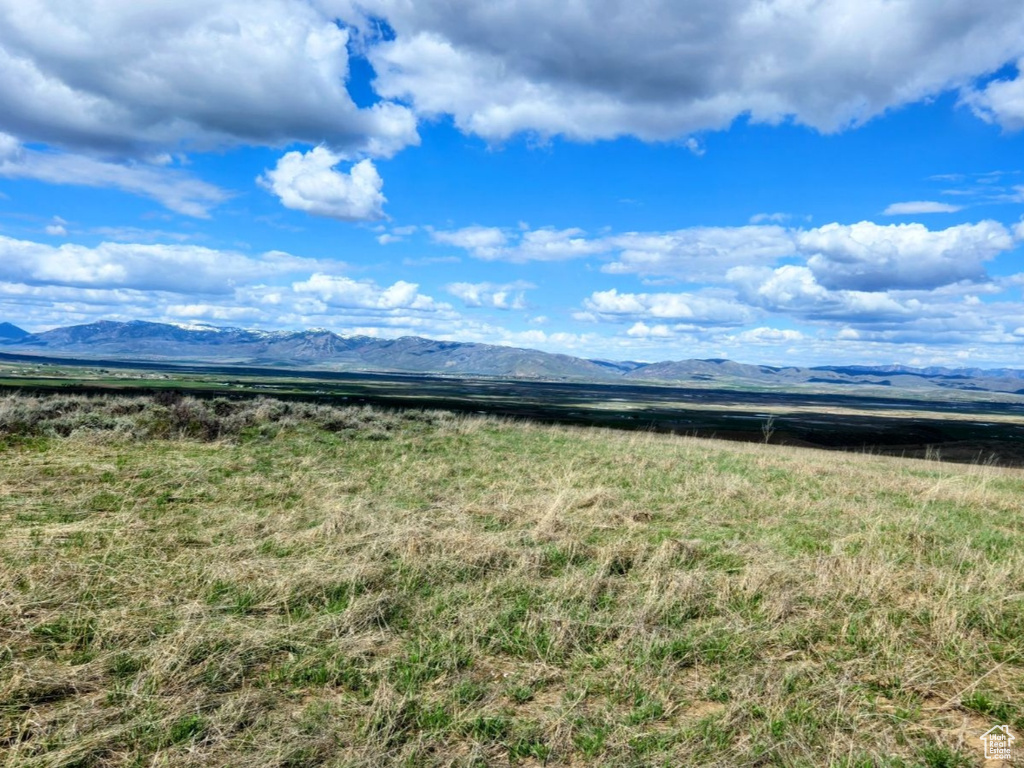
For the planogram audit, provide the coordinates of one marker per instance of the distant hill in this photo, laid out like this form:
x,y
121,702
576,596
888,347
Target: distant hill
x,y
139,340
899,376
322,349
705,370
12,332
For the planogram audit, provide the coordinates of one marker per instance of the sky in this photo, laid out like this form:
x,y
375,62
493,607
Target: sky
x,y
771,181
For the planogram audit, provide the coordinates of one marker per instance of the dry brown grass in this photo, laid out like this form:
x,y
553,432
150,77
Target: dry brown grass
x,y
315,586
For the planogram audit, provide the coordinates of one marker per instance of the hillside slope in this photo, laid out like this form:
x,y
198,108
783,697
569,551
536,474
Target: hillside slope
x,y
498,594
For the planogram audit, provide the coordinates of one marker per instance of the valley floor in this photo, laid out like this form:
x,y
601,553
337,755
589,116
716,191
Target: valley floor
x,y
272,584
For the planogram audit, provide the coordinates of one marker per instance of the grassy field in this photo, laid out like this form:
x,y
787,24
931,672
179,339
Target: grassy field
x,y
270,584
957,425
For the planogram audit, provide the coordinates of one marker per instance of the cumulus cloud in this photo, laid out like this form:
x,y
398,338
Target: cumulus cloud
x,y
947,315
698,252
642,330
767,335
688,253
555,245
664,69
360,307
44,286
174,189
338,291
920,206
871,257
864,256
792,289
546,244
491,295
689,309
310,182
1000,101
133,79
174,268
482,242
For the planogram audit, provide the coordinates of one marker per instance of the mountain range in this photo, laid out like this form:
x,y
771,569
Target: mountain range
x,y
324,350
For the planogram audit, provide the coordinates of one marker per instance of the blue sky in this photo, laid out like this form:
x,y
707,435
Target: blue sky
x,y
781,181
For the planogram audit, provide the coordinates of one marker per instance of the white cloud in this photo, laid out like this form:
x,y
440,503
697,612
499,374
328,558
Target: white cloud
x,y
695,146
396,234
664,69
697,253
142,78
57,227
44,286
10,147
344,292
952,314
643,331
920,206
212,313
363,307
687,253
546,244
174,268
1000,101
491,295
863,256
176,190
554,245
764,335
309,182
561,341
770,218
792,289
935,326
686,308
482,242
871,257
